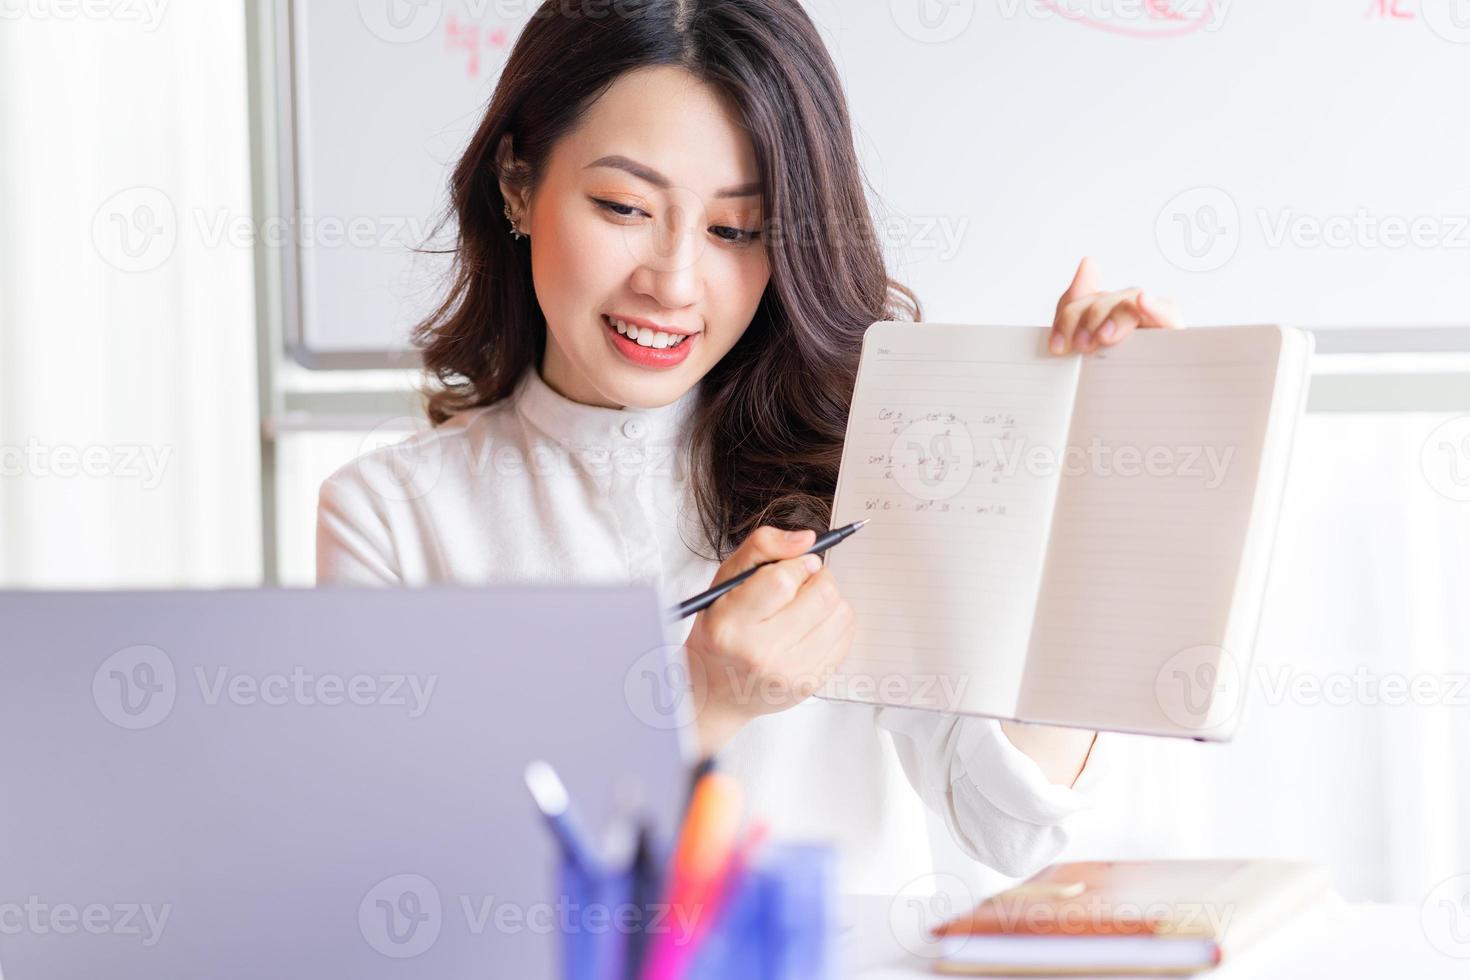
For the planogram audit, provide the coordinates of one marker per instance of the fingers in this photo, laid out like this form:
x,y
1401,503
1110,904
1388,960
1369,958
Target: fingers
x,y
774,586
1159,311
822,650
1088,318
766,544
786,627
1086,281
1122,320
1104,326
1065,326
815,600
823,640
1104,319
1079,323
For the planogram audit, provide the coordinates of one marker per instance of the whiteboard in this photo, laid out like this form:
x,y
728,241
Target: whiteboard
x,y
1304,163
384,96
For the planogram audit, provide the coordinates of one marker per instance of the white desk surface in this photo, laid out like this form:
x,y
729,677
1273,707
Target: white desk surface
x,y
1336,939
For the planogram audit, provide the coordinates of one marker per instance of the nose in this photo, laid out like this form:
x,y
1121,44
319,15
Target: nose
x,y
669,271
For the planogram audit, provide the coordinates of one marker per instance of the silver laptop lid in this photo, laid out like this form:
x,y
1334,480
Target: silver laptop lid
x,y
313,783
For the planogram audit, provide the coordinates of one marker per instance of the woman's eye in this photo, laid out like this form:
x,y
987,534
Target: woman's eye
x,y
737,236
621,210
734,236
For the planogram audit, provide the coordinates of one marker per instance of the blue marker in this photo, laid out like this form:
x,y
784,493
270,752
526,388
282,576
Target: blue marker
x,y
556,806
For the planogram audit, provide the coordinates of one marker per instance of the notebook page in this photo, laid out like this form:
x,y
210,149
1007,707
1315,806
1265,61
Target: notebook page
x,y
945,577
1293,385
1149,531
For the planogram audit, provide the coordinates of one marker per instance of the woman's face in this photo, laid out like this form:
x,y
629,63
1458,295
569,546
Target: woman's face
x,y
646,214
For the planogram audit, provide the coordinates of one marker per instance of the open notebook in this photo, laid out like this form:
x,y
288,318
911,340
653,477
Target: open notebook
x,y
1078,540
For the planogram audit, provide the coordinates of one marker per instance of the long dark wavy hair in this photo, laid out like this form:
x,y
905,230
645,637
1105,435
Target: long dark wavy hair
x,y
766,439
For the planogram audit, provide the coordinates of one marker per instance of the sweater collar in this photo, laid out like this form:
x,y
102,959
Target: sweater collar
x,y
575,424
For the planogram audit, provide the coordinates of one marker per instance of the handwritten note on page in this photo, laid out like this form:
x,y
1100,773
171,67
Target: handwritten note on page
x,y
946,575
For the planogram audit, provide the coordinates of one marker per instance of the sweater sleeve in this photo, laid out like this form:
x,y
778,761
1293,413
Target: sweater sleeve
x,y
996,802
354,545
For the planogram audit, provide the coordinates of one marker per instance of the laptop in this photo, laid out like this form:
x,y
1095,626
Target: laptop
x,y
316,783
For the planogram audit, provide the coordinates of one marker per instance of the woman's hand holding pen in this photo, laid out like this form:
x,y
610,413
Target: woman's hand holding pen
x,y
772,642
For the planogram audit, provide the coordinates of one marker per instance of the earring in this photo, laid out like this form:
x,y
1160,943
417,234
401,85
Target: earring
x,y
515,232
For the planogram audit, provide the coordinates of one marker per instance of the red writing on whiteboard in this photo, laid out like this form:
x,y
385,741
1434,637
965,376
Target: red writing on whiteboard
x,y
1141,18
1388,9
468,39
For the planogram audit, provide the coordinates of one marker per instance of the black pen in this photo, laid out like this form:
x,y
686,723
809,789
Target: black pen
x,y
691,606
645,893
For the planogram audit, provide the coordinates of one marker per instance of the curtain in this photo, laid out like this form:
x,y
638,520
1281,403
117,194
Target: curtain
x,y
128,436
1351,750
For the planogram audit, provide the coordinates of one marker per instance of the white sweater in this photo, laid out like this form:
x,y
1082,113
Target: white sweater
x,y
540,489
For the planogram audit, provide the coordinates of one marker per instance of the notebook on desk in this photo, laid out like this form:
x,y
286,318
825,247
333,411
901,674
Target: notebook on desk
x,y
1079,540
1103,918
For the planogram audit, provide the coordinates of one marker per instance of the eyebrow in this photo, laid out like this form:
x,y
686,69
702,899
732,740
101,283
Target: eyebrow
x,y
659,180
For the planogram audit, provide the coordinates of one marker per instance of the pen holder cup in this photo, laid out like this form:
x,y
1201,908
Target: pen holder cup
x,y
594,938
776,924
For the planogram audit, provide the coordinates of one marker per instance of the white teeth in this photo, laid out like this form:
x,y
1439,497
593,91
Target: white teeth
x,y
646,337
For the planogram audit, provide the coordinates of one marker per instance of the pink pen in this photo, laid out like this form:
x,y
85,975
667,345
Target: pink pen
x,y
727,885
707,843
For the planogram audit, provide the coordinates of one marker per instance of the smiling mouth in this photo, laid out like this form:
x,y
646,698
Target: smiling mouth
x,y
647,337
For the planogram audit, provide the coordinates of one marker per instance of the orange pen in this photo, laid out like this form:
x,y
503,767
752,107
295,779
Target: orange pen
x,y
706,844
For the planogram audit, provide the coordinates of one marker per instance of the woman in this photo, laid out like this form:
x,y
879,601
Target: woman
x,y
648,379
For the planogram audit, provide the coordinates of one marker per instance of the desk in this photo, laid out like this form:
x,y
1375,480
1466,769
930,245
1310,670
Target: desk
x,y
1335,939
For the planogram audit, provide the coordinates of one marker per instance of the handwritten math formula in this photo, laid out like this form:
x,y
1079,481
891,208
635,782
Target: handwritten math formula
x,y
932,457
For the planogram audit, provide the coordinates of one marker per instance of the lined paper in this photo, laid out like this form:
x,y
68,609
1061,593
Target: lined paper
x,y
1143,562
945,577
